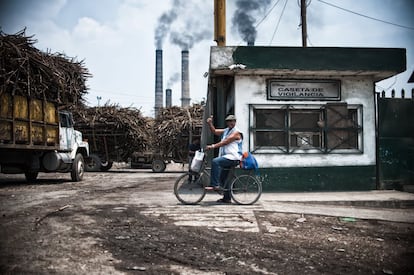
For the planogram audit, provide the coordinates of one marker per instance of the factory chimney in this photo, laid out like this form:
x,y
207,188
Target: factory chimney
x,y
185,79
168,98
158,81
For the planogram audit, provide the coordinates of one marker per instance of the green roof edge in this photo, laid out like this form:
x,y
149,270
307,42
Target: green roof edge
x,y
322,58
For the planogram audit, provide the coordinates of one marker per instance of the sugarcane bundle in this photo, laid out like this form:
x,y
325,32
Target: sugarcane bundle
x,y
27,71
173,127
121,131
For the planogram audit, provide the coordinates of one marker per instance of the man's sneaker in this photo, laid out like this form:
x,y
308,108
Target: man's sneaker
x,y
213,188
223,201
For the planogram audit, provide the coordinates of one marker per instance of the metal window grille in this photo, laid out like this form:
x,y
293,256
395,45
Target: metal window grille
x,y
307,129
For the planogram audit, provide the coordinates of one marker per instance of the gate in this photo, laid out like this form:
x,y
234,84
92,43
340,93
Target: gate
x,y
395,152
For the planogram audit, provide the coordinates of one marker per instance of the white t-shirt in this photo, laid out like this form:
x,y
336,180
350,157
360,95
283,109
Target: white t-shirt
x,y
233,150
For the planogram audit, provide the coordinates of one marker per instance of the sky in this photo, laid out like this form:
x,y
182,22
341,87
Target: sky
x,y
117,39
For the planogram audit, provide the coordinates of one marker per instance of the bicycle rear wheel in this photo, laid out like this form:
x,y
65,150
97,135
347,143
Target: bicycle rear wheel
x,y
245,189
190,192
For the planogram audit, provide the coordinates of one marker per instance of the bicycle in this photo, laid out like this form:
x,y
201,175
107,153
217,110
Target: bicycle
x,y
244,189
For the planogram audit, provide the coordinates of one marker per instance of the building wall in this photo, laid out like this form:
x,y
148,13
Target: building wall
x,y
293,156
316,171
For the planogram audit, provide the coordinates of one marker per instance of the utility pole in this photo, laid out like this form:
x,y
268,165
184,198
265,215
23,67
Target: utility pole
x,y
303,19
220,22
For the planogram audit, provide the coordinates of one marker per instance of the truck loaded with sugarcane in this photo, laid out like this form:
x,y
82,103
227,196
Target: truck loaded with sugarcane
x,y
113,134
174,128
36,134
117,134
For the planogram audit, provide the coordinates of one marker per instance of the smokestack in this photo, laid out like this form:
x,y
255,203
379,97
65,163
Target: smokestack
x,y
168,98
220,22
185,79
250,43
158,81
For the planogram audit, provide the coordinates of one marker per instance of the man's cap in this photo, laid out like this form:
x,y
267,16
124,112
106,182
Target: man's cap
x,y
231,117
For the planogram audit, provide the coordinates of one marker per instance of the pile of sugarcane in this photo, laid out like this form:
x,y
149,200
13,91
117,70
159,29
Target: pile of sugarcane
x,y
111,128
27,71
123,131
173,127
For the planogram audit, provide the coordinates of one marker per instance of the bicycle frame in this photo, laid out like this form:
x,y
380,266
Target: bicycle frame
x,y
231,176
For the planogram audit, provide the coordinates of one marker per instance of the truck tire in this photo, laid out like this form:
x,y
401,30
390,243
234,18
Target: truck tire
x,y
78,168
31,176
94,165
105,166
158,166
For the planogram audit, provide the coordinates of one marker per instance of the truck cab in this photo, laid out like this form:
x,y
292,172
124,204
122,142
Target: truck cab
x,y
72,150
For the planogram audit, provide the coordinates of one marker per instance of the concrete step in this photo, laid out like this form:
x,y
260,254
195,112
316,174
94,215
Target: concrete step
x,y
369,199
396,204
408,188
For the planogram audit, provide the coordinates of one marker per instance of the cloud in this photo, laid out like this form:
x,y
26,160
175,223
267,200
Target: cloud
x,y
90,31
17,14
116,38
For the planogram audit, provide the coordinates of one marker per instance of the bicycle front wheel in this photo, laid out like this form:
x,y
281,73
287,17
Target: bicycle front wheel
x,y
245,189
190,192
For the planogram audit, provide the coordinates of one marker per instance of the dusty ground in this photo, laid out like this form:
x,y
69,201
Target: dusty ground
x,y
128,221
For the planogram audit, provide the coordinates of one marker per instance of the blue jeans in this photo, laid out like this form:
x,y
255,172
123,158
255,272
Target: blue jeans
x,y
219,171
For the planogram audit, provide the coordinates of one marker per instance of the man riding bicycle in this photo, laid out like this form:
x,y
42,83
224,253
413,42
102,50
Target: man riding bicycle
x,y
230,153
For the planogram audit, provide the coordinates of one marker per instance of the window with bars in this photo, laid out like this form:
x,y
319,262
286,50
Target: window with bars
x,y
334,127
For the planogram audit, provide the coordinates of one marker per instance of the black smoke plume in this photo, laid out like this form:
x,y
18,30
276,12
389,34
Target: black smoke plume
x,y
193,28
186,40
164,23
245,17
173,79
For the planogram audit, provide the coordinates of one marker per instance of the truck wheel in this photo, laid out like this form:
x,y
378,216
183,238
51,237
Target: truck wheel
x,y
78,168
31,176
94,165
105,166
158,166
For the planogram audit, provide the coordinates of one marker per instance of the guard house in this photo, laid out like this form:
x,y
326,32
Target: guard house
x,y
307,114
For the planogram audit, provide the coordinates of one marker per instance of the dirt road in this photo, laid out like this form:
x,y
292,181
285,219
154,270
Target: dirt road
x,y
128,221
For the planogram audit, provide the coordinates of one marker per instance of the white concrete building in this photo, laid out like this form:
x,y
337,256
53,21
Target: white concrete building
x,y
307,114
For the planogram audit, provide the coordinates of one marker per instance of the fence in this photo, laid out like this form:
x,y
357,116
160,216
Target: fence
x,y
395,144
393,94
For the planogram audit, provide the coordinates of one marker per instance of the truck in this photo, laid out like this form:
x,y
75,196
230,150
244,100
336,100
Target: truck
x,y
117,134
35,136
155,160
104,147
176,151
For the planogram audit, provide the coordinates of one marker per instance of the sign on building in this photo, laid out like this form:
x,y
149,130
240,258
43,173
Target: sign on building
x,y
303,89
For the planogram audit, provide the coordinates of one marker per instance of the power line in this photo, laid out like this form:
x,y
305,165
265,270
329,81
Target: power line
x,y
307,4
277,2
390,86
278,22
120,93
310,43
366,16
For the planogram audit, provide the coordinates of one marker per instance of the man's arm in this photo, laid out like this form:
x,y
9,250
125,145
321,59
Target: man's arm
x,y
213,129
232,137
